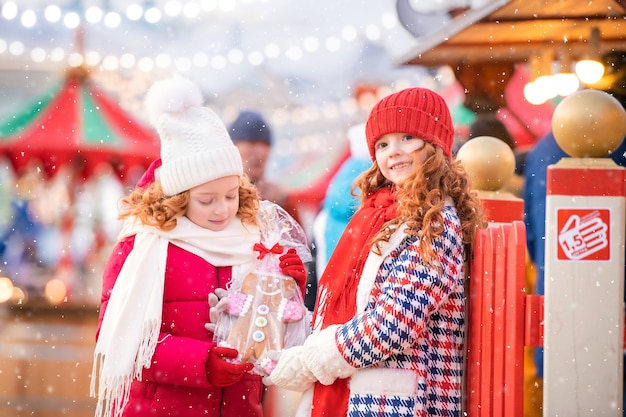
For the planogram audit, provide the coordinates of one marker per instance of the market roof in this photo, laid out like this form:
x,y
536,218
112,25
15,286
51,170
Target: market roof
x,y
515,30
79,124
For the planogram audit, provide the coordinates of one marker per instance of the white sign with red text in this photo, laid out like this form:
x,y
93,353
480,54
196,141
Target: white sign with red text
x,y
583,305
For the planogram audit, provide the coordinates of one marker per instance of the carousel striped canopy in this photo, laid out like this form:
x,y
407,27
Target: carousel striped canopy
x,y
77,123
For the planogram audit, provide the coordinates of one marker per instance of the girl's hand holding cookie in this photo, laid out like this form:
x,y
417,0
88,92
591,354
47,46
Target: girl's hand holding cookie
x,y
290,372
217,304
221,370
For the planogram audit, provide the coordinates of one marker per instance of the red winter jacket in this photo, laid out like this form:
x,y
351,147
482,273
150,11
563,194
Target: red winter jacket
x,y
176,383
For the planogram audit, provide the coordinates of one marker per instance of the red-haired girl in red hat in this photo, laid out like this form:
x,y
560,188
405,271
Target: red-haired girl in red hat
x,y
389,321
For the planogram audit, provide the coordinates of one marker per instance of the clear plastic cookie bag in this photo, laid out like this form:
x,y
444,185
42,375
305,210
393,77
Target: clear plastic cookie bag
x,y
265,309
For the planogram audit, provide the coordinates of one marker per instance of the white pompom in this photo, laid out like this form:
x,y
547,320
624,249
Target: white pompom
x,y
173,95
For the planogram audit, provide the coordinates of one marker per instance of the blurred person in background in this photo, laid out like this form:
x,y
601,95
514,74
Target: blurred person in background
x,y
253,137
338,206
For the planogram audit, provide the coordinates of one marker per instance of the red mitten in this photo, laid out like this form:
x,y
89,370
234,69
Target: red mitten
x,y
292,265
220,372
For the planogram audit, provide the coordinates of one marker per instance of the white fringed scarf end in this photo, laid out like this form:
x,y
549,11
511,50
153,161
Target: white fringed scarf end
x,y
114,391
150,336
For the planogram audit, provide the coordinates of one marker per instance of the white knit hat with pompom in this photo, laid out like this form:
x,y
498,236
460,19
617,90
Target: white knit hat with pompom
x,y
195,146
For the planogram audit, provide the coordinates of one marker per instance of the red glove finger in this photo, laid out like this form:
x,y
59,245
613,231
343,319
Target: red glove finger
x,y
291,264
222,373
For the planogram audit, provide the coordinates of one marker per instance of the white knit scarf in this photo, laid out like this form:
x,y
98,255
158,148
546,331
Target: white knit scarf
x,y
132,320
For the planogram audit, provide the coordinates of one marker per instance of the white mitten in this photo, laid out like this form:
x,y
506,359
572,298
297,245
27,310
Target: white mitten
x,y
322,357
290,373
217,304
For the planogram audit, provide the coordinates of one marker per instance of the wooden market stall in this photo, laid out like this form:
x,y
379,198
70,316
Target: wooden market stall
x,y
483,46
480,43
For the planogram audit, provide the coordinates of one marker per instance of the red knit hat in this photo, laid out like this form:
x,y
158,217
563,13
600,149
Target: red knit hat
x,y
417,111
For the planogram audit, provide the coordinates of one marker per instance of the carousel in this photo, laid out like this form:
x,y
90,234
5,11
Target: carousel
x,y
67,158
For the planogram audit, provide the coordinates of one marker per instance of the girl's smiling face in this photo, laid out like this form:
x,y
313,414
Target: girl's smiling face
x,y
214,204
398,155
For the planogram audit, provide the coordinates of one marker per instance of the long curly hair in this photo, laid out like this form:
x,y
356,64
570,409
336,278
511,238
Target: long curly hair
x,y
421,199
152,208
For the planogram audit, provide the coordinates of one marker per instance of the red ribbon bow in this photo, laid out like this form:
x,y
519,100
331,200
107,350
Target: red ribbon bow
x,y
277,249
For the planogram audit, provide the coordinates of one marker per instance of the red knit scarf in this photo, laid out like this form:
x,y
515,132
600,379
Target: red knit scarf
x,y
340,282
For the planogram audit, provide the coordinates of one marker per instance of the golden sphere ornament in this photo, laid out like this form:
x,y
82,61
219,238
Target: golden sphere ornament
x,y
589,124
489,162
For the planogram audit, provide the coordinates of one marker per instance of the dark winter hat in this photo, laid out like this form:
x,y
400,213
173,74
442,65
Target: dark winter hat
x,y
250,126
417,111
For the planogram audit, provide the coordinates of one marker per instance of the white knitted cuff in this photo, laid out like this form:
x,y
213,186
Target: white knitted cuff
x,y
290,373
322,357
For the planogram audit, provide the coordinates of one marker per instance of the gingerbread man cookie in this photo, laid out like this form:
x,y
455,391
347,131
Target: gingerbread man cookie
x,y
266,303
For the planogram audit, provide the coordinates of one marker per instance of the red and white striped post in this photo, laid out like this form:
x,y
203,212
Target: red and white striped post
x,y
495,307
584,269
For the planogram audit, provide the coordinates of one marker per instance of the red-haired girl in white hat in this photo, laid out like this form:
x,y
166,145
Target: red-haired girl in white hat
x,y
190,229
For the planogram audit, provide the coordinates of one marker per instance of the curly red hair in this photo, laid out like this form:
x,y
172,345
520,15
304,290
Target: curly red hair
x,y
153,208
421,199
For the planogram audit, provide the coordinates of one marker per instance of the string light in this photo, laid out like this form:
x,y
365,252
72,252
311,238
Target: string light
x,y
134,12
590,70
71,20
9,10
52,13
95,14
152,15
292,49
563,81
6,289
28,19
